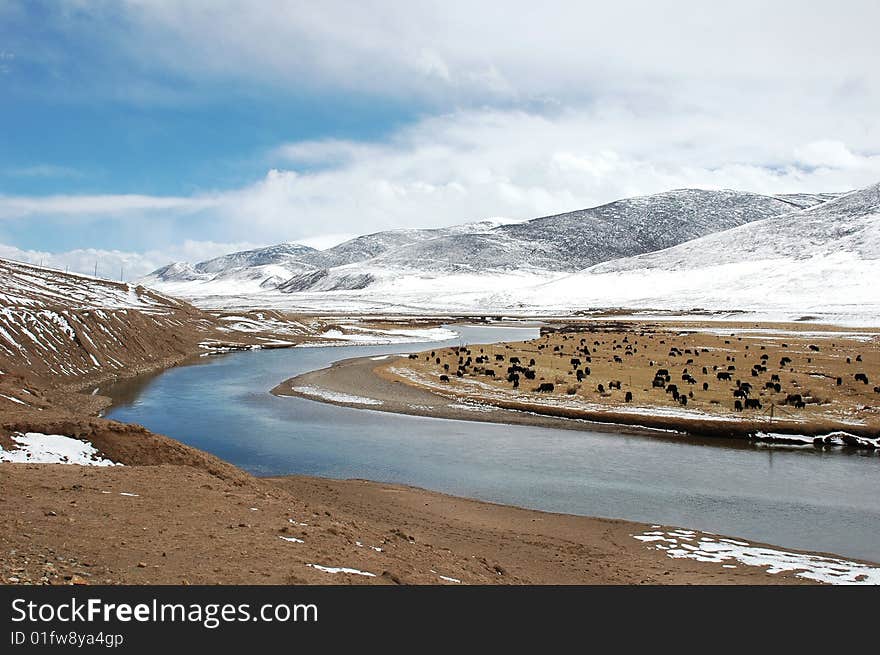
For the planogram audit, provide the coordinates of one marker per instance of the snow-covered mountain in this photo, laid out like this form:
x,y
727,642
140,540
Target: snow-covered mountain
x,y
561,243
262,267
822,260
847,224
775,256
292,266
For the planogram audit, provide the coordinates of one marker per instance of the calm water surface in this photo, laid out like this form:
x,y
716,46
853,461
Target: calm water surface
x,y
803,498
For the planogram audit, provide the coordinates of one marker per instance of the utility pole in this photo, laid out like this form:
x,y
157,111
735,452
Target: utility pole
x,y
96,268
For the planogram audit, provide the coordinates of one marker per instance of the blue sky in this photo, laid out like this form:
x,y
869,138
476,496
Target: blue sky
x,y
140,132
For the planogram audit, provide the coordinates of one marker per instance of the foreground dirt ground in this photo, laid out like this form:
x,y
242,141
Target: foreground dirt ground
x,y
180,524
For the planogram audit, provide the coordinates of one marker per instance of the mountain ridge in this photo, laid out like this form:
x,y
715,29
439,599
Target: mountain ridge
x,y
565,242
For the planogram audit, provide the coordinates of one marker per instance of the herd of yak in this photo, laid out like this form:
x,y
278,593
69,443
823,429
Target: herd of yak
x,y
745,393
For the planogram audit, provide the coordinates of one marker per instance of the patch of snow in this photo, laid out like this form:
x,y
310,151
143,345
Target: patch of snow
x,y
335,396
38,448
341,569
830,570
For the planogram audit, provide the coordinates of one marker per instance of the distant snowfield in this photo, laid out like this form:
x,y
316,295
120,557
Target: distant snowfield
x,y
37,448
370,336
838,288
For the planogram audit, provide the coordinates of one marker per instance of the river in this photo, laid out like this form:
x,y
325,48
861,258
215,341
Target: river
x,y
794,497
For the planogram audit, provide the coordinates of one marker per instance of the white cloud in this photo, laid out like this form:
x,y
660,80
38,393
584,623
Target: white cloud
x,y
470,165
512,50
97,205
113,264
44,170
834,154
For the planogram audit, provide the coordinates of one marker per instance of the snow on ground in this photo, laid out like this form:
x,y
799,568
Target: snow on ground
x,y
830,286
361,545
259,321
341,569
780,333
37,448
711,548
335,396
446,577
363,336
831,439
836,289
25,285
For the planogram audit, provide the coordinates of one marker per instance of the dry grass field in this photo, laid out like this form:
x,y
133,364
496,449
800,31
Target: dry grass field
x,y
791,376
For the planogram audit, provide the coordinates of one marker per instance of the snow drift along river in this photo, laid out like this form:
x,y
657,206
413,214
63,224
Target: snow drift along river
x,y
799,498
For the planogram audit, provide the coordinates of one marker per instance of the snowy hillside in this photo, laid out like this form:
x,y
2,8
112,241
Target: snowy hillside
x,y
58,325
25,285
848,224
822,260
644,224
294,267
562,243
819,257
259,268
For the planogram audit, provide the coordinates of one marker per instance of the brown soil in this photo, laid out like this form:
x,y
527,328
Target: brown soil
x,y
82,525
